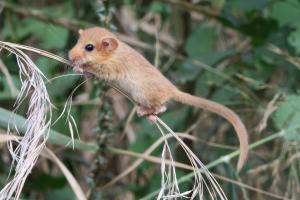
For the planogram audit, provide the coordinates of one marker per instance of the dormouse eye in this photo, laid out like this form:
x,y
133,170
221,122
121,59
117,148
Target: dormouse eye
x,y
89,47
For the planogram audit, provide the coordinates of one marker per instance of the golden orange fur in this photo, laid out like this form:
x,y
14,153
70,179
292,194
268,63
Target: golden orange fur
x,y
119,64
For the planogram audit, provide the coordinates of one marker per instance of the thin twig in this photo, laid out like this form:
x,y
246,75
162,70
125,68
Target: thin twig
x,y
294,60
127,127
271,107
148,151
70,178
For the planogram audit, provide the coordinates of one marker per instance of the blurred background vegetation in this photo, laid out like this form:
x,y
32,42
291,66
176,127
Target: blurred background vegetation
x,y
243,54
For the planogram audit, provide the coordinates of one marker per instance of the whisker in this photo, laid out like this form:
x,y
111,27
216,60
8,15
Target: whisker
x,y
62,76
67,109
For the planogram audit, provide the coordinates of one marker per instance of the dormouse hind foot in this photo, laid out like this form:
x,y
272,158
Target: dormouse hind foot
x,y
150,112
160,110
152,118
142,110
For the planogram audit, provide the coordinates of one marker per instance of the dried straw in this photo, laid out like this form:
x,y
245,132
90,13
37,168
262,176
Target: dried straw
x,y
169,184
38,120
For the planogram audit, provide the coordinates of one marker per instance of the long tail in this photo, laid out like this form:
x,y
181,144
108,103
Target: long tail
x,y
225,112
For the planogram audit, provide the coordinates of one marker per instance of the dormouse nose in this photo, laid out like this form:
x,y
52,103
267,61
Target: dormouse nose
x,y
74,54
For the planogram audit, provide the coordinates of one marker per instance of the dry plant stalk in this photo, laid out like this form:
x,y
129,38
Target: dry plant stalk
x,y
47,153
38,120
169,183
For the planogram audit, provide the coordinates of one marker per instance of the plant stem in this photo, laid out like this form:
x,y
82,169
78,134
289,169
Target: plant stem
x,y
36,50
10,119
231,155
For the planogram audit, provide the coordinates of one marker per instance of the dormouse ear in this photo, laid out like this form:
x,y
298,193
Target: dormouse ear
x,y
109,44
80,31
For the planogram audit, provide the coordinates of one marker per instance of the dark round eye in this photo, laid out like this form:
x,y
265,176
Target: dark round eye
x,y
89,47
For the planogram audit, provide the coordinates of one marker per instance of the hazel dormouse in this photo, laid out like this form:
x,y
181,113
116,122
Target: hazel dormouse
x,y
100,52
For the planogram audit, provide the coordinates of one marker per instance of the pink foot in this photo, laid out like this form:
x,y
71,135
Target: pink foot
x,y
141,110
161,109
150,112
152,118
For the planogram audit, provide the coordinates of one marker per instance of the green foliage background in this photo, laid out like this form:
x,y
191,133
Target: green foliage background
x,y
243,54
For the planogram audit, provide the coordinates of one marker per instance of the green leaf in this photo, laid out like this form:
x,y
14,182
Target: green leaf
x,y
218,3
45,65
288,116
158,7
294,39
65,193
41,182
201,41
60,86
50,36
187,72
287,13
5,91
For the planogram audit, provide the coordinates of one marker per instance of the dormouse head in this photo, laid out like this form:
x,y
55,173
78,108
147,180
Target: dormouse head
x,y
94,48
